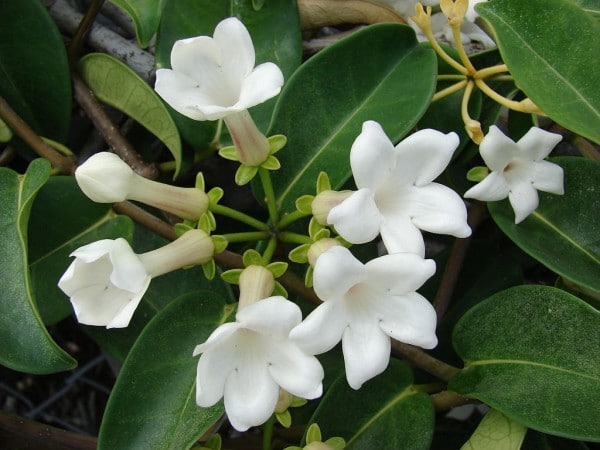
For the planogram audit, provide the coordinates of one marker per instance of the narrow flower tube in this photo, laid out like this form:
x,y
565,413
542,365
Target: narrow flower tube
x,y
106,178
107,280
256,282
252,147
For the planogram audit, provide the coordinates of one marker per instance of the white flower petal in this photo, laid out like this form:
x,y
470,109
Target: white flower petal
x,y
366,350
497,149
128,271
357,218
124,315
372,156
236,46
409,318
548,177
336,271
322,329
263,83
217,337
399,235
423,156
198,58
399,273
492,188
274,316
295,371
80,275
438,209
91,252
536,144
250,394
523,199
96,305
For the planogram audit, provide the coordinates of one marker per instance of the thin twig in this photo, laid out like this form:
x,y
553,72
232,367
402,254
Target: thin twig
x,y
424,361
454,264
82,30
109,131
20,128
445,401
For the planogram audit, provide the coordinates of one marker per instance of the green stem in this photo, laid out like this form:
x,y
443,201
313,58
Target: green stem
x,y
451,77
269,250
268,433
295,238
239,216
265,179
246,236
290,218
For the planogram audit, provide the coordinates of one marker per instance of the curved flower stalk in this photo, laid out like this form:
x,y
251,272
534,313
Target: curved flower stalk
x,y
396,194
366,305
106,178
107,280
518,170
247,362
215,78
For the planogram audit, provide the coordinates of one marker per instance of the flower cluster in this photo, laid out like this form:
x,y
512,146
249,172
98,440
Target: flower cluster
x,y
268,352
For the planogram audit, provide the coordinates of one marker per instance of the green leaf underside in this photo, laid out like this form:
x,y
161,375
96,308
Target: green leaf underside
x,y
569,222
35,78
26,344
549,60
386,409
496,432
323,106
116,84
531,353
152,405
145,15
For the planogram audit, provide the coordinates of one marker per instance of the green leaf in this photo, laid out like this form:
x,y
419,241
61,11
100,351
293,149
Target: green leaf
x,y
531,352
5,132
549,60
387,412
62,220
591,7
26,344
152,405
145,15
35,78
275,32
496,432
562,233
323,106
116,84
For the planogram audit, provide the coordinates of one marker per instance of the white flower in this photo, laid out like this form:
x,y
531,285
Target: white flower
x,y
518,170
441,30
106,178
249,360
107,280
471,14
396,195
365,305
214,77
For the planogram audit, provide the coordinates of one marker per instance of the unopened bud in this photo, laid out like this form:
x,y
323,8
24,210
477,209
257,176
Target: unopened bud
x,y
323,203
256,283
473,128
320,247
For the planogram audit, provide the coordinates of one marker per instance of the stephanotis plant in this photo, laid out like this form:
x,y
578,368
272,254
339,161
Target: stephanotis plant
x,y
413,249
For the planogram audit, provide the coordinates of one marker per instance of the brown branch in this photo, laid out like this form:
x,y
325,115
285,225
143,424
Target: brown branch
x,y
62,163
424,361
109,131
83,29
445,401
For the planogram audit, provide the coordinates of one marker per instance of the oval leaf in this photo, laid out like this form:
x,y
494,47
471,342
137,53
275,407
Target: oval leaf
x,y
562,233
35,78
387,412
322,108
531,352
116,84
26,344
496,432
152,405
145,15
549,60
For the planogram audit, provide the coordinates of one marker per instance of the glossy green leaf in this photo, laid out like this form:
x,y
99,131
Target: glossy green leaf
x,y
145,15
591,7
550,59
62,220
116,84
323,106
152,405
5,132
496,432
531,352
387,412
26,344
35,78
562,233
275,32
161,292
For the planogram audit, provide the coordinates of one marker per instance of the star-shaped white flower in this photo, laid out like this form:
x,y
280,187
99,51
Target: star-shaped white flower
x,y
518,170
396,194
366,305
248,360
215,77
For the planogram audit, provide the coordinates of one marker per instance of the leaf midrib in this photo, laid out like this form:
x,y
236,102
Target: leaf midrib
x,y
529,363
